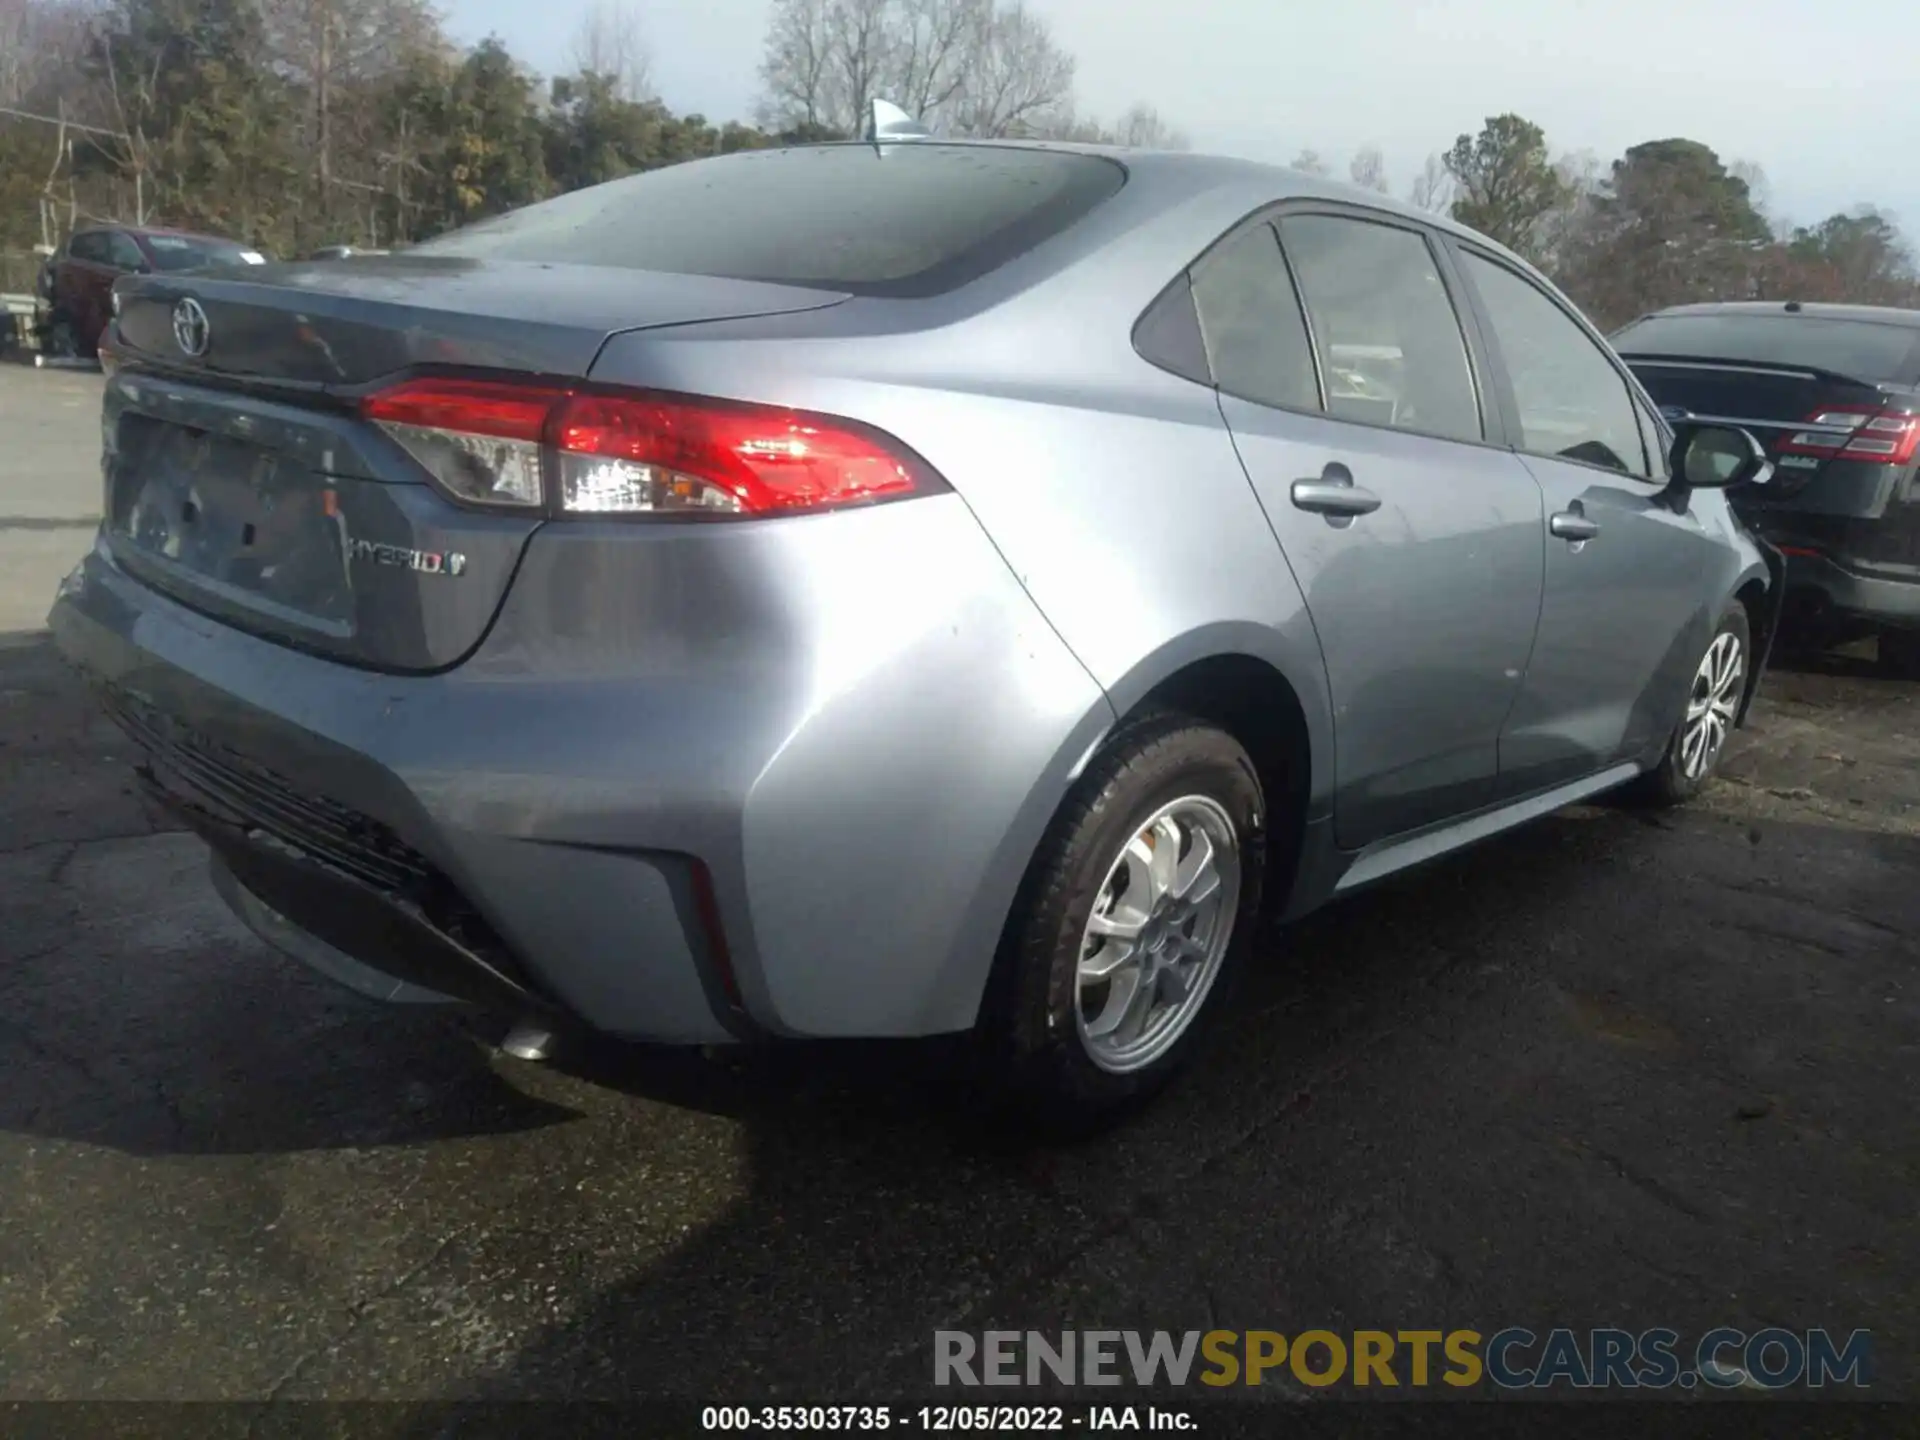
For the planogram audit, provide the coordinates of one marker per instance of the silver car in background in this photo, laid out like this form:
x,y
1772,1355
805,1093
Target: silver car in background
x,y
893,590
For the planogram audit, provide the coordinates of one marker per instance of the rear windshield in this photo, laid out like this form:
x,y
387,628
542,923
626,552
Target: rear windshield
x,y
920,219
1858,349
179,252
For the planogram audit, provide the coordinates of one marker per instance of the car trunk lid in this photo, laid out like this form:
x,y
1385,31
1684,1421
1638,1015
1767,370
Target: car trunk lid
x,y
1804,417
332,326
1843,453
243,480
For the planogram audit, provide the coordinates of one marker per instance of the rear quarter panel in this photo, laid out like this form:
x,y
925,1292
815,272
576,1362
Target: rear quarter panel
x,y
1111,488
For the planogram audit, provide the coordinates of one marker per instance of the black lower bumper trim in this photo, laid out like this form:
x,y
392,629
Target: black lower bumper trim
x,y
373,926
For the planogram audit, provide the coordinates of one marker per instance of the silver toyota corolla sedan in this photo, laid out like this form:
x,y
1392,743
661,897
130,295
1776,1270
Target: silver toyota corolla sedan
x,y
892,590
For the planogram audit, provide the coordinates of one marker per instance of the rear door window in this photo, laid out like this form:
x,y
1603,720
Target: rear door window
x,y
1573,403
920,219
1256,336
90,246
122,253
1388,338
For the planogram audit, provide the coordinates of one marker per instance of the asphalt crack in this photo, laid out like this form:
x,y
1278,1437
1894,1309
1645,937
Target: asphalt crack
x,y
356,1315
109,839
1647,1185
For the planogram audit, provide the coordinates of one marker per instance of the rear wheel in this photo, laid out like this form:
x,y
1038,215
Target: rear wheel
x,y
1136,915
1713,703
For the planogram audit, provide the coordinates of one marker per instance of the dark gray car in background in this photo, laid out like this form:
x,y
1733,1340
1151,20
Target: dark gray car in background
x,y
1834,393
892,590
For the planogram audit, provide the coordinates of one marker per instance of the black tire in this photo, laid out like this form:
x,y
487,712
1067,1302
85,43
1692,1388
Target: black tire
x,y
1668,783
1043,1069
1900,653
63,338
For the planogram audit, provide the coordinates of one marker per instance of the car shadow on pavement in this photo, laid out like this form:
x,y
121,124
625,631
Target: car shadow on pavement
x,y
1611,1069
1596,1074
137,1014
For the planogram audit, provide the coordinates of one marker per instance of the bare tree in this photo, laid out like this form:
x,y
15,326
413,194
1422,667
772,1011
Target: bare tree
x,y
938,40
860,47
132,95
16,58
794,67
1432,189
610,42
41,43
334,47
972,67
1142,128
1369,169
1308,162
1020,75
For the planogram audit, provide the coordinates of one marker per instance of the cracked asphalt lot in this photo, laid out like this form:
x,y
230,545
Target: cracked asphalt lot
x,y
1613,1069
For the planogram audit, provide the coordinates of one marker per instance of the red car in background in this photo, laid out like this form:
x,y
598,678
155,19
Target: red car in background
x,y
76,284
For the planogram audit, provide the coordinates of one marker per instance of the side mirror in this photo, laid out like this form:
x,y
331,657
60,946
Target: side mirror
x,y
1715,457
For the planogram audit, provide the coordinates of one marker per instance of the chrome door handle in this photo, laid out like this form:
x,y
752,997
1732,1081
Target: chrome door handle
x,y
1572,525
1334,493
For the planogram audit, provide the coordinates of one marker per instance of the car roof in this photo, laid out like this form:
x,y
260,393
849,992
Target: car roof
x,y
182,234
1811,310
105,226
1190,171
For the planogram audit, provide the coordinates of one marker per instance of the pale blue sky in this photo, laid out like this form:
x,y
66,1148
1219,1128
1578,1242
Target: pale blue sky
x,y
1791,84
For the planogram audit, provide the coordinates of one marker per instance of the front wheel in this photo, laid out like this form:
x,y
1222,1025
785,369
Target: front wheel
x,y
62,338
1900,653
1136,913
1713,703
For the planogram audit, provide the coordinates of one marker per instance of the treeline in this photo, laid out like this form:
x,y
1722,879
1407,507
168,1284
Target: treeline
x,y
1666,223
297,123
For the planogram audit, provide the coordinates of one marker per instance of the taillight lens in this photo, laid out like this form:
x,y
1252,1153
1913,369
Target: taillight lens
x,y
480,439
1888,437
633,453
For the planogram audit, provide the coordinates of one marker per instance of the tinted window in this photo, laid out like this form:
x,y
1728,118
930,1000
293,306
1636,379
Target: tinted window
x,y
1388,339
920,219
1169,334
178,252
1256,337
1861,349
90,246
1573,402
121,251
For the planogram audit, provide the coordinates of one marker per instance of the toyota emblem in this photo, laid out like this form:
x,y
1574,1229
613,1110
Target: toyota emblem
x,y
191,332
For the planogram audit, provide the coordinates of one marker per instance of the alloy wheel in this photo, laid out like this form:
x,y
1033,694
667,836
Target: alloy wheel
x,y
1161,924
1711,705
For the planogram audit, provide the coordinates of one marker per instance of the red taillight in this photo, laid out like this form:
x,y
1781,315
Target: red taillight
x,y
632,453
471,407
1855,432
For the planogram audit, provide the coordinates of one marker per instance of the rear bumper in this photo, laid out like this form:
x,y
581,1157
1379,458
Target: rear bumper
x,y
800,805
1819,589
